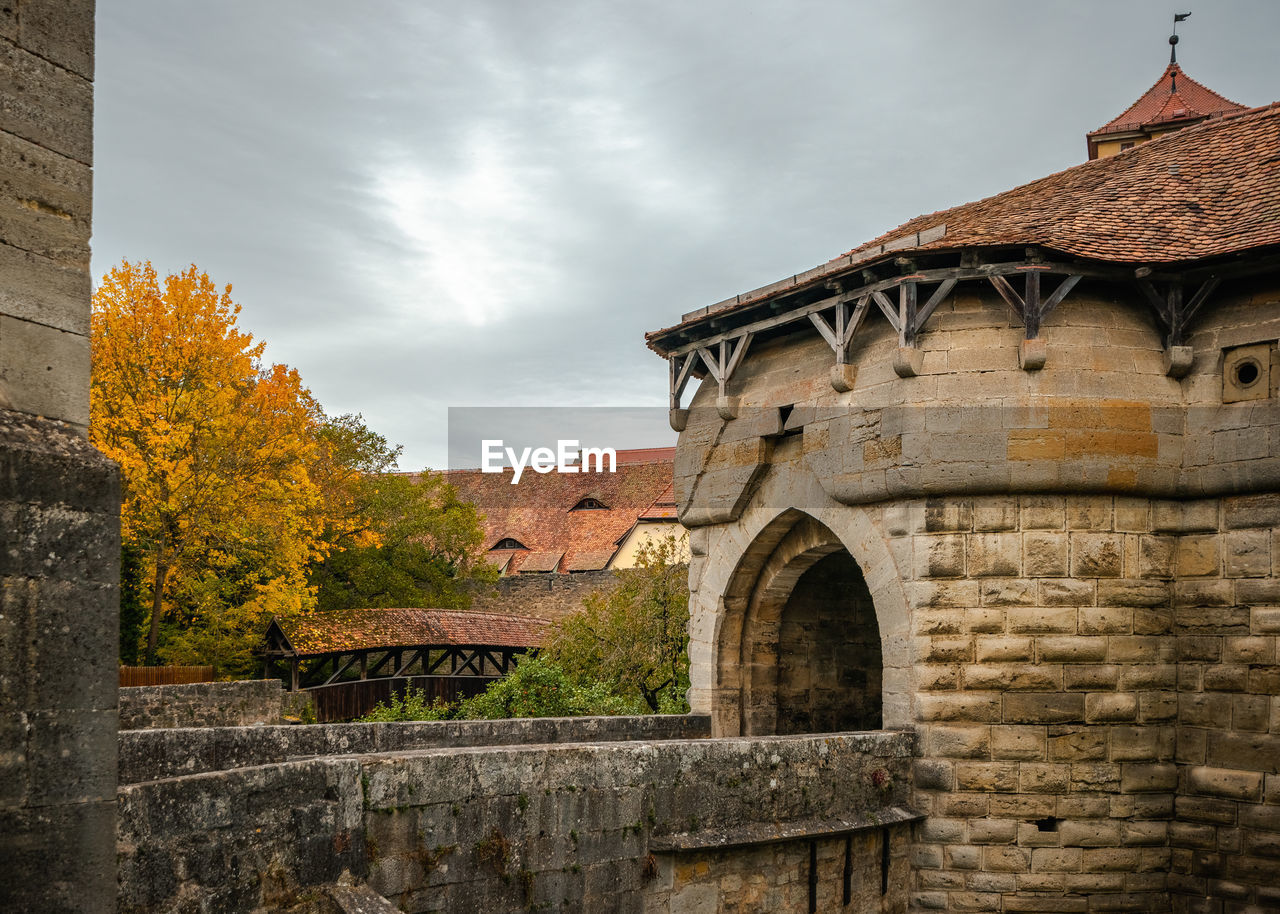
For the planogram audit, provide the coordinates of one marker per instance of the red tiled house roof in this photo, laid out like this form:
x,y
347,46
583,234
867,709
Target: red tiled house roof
x,y
539,512
1209,190
1174,99
361,629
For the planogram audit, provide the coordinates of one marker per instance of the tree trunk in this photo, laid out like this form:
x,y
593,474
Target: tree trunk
x,y
157,607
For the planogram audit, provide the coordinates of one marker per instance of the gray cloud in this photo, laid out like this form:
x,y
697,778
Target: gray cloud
x,y
424,205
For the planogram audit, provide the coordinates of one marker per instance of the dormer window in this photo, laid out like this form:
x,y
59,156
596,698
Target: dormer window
x,y
508,543
590,504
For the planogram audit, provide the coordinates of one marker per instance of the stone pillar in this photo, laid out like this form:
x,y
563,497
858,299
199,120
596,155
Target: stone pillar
x,y
59,498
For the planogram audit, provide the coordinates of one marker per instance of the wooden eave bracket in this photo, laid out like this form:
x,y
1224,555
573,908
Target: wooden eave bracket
x,y
1175,316
1031,308
721,361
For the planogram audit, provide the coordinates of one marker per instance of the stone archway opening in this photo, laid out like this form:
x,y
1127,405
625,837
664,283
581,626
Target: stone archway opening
x,y
800,646
829,664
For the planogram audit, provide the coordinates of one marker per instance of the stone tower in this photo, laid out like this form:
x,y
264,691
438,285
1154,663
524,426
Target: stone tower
x,y
1009,477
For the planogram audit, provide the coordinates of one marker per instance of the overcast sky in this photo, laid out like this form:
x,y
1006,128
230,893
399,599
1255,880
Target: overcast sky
x,y
423,205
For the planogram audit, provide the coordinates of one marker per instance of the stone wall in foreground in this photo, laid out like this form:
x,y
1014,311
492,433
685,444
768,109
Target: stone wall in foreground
x,y
59,499
627,826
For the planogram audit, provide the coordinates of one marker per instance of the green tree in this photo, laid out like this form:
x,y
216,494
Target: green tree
x,y
634,638
395,540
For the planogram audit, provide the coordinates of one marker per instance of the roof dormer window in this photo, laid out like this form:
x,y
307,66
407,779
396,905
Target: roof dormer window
x,y
590,504
508,543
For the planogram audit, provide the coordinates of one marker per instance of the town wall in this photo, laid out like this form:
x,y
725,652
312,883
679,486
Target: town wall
x,y
202,704
59,499
544,596
664,826
1074,577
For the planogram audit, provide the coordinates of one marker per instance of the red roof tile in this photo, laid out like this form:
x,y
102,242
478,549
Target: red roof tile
x,y
538,511
592,560
1174,97
663,507
1209,190
355,629
541,561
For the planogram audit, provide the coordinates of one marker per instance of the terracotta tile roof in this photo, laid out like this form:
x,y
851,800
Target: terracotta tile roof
x,y
354,629
663,507
1174,97
538,511
541,561
592,560
1208,190
647,455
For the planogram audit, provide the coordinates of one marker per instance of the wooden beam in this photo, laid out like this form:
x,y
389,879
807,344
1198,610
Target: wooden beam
x,y
907,301
1011,297
1201,295
887,308
938,297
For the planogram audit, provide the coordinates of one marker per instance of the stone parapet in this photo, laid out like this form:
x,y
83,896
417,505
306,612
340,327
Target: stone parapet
x,y
622,826
150,754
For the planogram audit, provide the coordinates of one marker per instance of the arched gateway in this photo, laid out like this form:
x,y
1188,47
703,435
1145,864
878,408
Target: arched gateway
x,y
801,647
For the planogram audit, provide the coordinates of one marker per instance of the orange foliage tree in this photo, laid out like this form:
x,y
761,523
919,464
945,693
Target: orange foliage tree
x,y
214,449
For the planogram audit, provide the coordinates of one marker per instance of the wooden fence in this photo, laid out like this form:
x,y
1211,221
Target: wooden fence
x,y
163,675
348,700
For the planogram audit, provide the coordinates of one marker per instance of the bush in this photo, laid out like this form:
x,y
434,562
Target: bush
x,y
535,688
412,704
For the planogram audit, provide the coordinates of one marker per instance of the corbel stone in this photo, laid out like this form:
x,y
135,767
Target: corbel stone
x,y
678,418
1032,354
908,361
1177,361
843,376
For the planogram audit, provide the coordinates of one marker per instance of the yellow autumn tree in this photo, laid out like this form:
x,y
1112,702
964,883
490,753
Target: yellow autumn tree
x,y
214,449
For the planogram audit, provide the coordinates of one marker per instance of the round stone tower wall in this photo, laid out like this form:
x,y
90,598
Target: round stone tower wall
x,y
1074,579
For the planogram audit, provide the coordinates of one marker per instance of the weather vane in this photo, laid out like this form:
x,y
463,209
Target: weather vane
x,y
1173,39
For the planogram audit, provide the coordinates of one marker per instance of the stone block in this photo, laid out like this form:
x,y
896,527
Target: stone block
x,y
1038,620
1156,556
1067,592
1097,555
1045,554
46,202
44,371
46,104
939,556
977,708
995,514
1148,778
1225,783
60,31
960,742
1198,555
1042,708
1009,592
1071,649
1056,860
1105,620
1246,553
1044,778
1110,707
1042,512
1078,745
994,554
1090,677
1133,592
42,291
1090,833
1012,677
1001,777
1004,649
